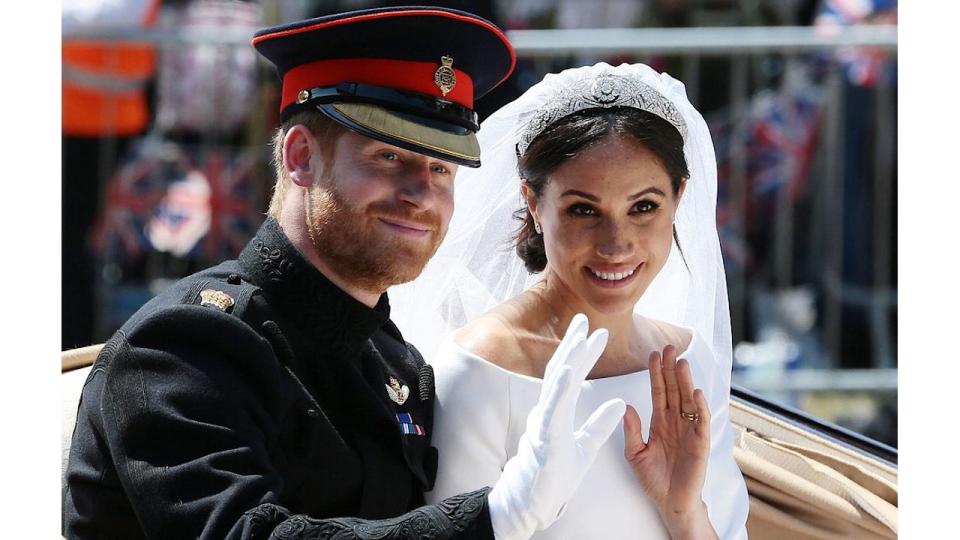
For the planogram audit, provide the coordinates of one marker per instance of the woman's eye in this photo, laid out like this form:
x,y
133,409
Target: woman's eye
x,y
582,210
645,207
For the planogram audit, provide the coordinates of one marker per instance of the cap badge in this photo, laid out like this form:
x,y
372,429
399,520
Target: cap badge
x,y
398,392
215,298
444,77
303,96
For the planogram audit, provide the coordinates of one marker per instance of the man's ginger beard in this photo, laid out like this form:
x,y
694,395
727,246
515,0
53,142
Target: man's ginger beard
x,y
358,248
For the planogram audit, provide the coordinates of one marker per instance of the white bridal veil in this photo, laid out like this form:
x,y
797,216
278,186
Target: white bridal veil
x,y
476,267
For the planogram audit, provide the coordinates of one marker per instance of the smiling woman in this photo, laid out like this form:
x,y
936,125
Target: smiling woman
x,y
606,217
615,172
652,144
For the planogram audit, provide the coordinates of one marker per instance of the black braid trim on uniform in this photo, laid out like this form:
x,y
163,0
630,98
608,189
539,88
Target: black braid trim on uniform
x,y
426,382
262,520
109,351
455,517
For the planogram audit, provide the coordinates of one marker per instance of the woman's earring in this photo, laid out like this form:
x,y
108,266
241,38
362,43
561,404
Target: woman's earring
x,y
536,227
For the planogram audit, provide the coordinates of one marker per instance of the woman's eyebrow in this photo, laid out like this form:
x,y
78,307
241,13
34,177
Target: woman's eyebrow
x,y
651,189
594,198
580,194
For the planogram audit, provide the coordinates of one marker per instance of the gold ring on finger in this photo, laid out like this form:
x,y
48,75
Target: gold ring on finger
x,y
691,416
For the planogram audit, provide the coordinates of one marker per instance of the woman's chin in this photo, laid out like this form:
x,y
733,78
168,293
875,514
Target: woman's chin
x,y
614,304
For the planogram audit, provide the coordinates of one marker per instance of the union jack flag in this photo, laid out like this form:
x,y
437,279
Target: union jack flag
x,y
772,146
863,66
129,200
140,192
781,141
234,216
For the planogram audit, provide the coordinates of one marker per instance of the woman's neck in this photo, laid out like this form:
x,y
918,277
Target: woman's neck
x,y
624,352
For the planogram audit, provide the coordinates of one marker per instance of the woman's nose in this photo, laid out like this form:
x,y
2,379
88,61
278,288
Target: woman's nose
x,y
614,242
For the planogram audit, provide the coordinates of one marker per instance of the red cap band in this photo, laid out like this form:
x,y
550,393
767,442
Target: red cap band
x,y
400,74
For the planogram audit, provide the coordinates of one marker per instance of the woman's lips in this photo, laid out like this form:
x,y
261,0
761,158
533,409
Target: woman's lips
x,y
626,276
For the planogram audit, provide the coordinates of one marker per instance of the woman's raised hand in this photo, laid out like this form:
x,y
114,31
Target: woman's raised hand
x,y
672,463
553,455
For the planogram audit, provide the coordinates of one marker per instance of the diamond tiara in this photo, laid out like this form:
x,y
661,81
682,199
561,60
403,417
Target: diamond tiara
x,y
605,91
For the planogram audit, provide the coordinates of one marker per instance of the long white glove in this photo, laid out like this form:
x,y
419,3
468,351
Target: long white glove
x,y
551,458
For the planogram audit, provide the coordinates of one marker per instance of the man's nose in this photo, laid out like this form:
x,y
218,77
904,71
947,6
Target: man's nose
x,y
416,185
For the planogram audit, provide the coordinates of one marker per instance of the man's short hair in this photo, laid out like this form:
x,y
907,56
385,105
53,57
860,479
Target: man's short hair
x,y
325,130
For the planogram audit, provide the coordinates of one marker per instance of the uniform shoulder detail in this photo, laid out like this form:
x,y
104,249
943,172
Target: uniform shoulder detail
x,y
113,347
217,299
229,296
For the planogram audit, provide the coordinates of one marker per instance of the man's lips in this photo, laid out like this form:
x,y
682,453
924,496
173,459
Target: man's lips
x,y
409,228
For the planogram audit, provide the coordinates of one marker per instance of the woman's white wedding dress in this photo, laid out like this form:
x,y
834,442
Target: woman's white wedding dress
x,y
481,411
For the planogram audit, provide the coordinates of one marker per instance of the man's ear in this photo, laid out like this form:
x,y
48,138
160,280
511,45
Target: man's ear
x,y
300,155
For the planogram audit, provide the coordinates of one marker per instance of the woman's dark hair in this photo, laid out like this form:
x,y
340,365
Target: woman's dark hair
x,y
577,132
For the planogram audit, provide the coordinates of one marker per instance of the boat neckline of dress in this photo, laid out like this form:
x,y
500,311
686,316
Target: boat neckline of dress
x,y
642,372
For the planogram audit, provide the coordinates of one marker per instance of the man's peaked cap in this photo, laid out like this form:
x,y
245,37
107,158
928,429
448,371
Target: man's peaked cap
x,y
408,76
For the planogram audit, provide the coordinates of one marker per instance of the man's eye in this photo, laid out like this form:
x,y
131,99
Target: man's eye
x,y
645,207
392,156
582,210
440,169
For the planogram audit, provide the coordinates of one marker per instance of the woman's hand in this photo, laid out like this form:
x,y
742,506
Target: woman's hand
x,y
553,455
672,463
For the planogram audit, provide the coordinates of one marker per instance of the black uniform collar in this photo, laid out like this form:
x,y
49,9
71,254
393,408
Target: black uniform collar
x,y
307,297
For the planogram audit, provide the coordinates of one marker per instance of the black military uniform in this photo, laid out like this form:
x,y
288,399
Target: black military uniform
x,y
256,399
250,396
